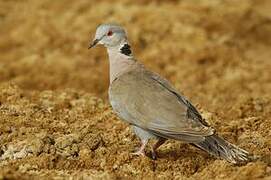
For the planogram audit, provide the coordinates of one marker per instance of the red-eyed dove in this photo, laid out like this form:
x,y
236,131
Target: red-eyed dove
x,y
152,106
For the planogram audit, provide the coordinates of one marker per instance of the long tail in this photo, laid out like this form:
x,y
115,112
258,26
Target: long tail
x,y
223,149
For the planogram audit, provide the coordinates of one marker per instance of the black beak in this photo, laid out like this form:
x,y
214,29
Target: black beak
x,y
93,43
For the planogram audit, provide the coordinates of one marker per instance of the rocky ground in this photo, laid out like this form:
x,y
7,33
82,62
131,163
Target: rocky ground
x,y
56,122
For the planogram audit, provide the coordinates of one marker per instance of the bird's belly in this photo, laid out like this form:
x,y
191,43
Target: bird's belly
x,y
120,110
143,134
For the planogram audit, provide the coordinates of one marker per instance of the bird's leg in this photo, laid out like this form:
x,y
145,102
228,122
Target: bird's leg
x,y
141,150
156,146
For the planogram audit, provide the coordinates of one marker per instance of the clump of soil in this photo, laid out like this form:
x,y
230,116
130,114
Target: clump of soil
x,y
55,118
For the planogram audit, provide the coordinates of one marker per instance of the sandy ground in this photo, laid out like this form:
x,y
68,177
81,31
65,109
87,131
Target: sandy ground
x,y
55,118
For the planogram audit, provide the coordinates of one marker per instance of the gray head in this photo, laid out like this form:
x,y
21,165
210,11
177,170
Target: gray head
x,y
109,35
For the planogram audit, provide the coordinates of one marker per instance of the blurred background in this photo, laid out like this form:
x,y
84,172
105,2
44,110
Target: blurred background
x,y
198,44
216,52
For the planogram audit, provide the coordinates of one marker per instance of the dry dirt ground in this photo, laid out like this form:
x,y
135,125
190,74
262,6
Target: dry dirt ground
x,y
56,122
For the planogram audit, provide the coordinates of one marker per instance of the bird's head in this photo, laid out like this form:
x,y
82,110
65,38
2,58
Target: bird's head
x,y
109,35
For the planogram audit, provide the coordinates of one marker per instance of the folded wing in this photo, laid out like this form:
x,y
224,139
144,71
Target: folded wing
x,y
144,99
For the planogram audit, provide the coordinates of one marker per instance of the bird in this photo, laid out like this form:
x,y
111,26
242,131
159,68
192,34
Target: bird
x,y
152,106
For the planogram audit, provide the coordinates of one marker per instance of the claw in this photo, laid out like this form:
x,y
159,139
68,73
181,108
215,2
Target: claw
x,y
153,155
155,147
141,150
139,153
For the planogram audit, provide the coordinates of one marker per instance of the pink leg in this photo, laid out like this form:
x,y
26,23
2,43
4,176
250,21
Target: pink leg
x,y
141,150
156,146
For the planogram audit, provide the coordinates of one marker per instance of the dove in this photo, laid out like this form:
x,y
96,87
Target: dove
x,y
152,106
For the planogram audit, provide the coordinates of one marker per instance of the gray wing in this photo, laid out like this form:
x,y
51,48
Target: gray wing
x,y
192,112
144,99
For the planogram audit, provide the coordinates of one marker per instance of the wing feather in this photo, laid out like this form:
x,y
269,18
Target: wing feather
x,y
144,99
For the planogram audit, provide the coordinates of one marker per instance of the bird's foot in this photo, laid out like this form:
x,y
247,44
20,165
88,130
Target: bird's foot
x,y
156,146
139,153
142,153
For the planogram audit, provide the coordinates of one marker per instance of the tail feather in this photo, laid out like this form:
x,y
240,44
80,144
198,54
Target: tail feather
x,y
223,149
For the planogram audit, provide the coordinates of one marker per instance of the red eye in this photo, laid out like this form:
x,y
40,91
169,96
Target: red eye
x,y
110,33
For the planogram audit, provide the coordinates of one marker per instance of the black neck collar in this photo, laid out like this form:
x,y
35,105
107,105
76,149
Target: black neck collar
x,y
126,50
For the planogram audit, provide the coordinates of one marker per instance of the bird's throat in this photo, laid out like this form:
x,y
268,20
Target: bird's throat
x,y
119,63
